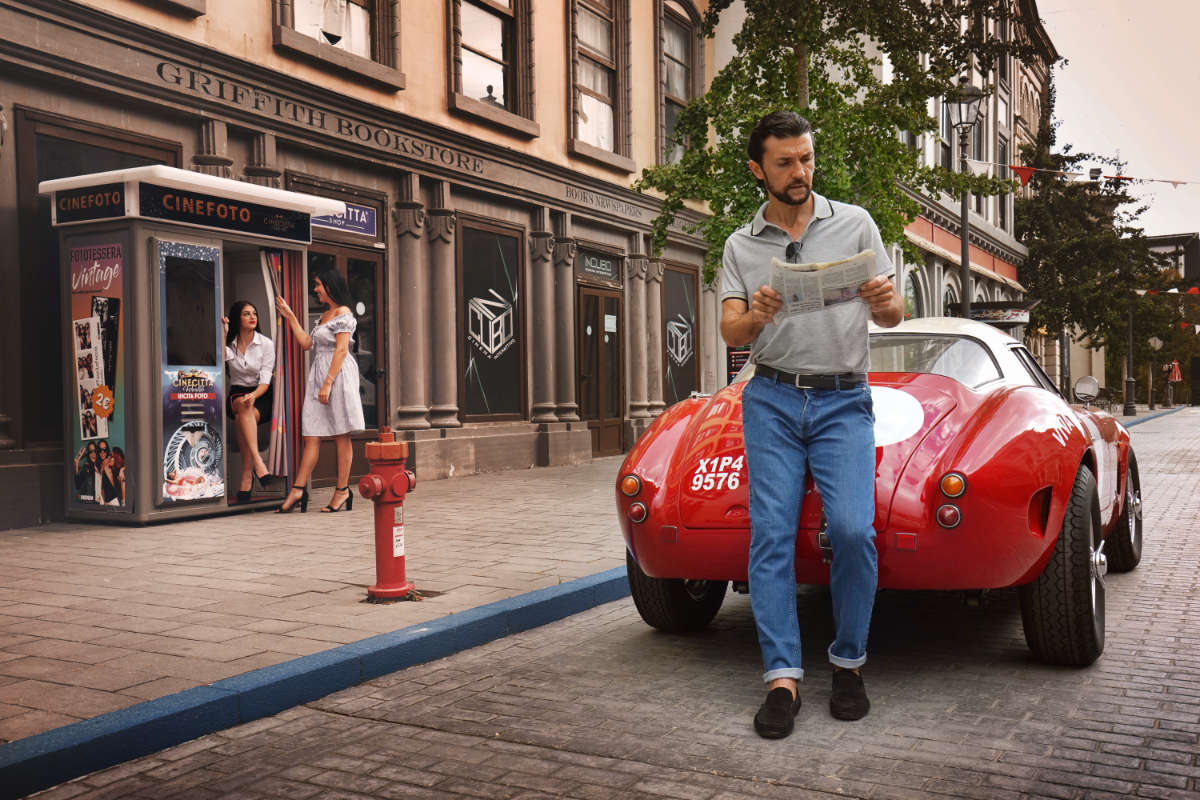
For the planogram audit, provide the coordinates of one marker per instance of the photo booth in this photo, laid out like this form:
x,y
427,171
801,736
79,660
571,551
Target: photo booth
x,y
151,259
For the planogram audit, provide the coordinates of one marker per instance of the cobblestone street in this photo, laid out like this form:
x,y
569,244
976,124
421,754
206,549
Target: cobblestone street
x,y
600,706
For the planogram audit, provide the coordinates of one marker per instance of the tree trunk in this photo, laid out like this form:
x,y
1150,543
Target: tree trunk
x,y
801,51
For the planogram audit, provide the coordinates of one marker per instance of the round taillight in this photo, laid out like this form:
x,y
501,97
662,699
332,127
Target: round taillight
x,y
631,485
638,512
948,516
953,484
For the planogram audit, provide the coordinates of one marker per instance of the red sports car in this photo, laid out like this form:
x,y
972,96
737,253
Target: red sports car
x,y
985,478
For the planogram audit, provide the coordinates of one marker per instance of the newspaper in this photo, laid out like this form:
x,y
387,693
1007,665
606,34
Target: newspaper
x,y
812,286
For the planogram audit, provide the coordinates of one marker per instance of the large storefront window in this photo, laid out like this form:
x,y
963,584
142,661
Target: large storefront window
x,y
491,347
52,147
680,322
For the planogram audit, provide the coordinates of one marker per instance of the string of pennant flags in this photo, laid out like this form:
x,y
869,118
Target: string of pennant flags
x,y
1183,326
979,167
1024,173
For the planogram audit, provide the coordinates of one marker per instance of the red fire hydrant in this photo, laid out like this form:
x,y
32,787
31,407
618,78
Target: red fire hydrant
x,y
386,484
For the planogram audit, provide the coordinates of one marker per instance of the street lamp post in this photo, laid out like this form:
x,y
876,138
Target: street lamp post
x,y
1156,344
1130,409
963,107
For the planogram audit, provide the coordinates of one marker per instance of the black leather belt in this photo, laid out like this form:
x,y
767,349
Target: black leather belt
x,y
847,380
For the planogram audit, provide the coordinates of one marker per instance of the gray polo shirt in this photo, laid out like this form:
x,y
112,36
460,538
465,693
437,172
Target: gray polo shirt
x,y
832,340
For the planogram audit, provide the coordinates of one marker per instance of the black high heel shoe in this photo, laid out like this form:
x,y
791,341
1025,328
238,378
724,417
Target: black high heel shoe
x,y
267,483
243,496
346,505
302,502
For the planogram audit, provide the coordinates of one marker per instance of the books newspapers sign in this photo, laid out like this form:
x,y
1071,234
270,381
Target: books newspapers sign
x,y
813,286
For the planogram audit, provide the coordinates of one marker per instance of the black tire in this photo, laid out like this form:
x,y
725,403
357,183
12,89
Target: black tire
x,y
1123,547
1063,610
672,605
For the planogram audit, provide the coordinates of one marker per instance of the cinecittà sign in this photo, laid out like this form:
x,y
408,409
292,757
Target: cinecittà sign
x,y
266,104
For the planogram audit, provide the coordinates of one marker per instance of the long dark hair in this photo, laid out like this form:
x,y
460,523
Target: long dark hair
x,y
235,320
335,287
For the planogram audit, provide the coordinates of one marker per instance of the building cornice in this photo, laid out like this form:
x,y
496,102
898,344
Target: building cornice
x,y
1032,22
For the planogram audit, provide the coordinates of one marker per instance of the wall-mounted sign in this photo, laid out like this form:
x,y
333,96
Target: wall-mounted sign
x,y
209,211
90,203
357,219
598,267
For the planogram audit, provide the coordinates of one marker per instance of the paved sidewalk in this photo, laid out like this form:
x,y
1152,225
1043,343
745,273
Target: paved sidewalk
x,y
96,618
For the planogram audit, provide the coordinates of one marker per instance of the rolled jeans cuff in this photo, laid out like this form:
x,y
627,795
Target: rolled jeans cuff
x,y
846,663
786,672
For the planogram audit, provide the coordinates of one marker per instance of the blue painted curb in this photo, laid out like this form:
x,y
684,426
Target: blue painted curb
x,y
48,759
1154,415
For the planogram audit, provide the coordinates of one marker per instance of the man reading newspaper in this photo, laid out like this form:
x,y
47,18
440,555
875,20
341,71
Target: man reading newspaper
x,y
808,407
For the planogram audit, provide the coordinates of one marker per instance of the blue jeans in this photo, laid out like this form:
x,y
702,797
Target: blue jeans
x,y
790,432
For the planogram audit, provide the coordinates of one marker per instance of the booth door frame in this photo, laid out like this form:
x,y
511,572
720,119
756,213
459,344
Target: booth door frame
x,y
325,473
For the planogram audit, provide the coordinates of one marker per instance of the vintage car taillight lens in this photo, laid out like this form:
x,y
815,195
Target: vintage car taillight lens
x,y
631,485
637,512
948,516
953,484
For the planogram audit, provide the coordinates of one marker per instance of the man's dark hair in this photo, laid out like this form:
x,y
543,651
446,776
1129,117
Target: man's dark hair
x,y
781,125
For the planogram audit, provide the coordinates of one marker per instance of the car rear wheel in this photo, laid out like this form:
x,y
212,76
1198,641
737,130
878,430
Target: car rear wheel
x,y
1124,544
1063,610
672,605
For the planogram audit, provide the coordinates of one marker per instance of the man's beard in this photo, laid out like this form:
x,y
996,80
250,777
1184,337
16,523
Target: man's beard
x,y
785,198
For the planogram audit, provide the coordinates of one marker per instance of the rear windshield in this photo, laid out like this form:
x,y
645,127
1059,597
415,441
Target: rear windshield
x,y
965,360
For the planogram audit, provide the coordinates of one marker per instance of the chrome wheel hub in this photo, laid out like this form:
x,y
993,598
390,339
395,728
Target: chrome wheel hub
x,y
1099,568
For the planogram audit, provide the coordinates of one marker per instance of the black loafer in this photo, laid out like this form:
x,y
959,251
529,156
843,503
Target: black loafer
x,y
849,699
778,713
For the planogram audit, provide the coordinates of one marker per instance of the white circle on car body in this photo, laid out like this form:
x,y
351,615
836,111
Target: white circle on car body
x,y
898,415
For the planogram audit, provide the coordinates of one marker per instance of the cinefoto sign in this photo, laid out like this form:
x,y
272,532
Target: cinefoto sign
x,y
181,206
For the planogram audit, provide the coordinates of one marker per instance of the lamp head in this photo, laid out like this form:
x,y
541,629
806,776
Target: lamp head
x,y
963,104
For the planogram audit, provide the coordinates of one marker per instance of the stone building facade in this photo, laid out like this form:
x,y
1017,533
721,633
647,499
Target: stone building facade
x,y
510,313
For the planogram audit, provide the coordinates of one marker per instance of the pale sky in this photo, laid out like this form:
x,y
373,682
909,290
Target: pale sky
x,y
1131,88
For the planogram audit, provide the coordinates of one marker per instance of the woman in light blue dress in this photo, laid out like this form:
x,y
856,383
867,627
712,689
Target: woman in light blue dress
x,y
332,405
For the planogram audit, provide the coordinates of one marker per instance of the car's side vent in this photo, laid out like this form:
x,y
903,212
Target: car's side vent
x,y
1039,511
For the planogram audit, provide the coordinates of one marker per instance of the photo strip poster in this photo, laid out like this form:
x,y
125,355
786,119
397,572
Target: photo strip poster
x,y
97,396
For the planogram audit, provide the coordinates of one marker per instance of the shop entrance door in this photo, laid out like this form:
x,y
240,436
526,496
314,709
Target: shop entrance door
x,y
600,389
363,271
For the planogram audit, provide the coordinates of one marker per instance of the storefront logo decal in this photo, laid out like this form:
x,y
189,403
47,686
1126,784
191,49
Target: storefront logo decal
x,y
679,340
490,324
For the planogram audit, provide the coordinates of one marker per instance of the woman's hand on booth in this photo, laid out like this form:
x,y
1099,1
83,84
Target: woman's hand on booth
x,y
225,326
284,309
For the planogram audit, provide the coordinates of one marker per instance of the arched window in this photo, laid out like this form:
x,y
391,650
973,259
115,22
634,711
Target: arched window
x,y
914,303
950,302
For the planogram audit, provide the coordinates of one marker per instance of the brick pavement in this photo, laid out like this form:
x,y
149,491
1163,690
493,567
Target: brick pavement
x,y
598,706
95,618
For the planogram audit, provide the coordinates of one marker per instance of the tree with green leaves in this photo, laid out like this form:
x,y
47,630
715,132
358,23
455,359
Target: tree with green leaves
x,y
1088,258
860,71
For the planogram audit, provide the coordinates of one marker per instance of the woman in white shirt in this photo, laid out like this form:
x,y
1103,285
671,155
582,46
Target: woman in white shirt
x,y
250,358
